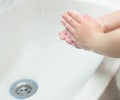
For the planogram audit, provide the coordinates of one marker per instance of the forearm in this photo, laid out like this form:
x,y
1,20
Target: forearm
x,y
108,44
111,21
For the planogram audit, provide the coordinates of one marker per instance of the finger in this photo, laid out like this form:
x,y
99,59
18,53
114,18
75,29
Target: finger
x,y
68,40
73,44
65,35
75,15
70,36
70,20
73,40
62,35
68,27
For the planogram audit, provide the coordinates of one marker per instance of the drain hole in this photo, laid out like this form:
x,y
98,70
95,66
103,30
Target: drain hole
x,y
26,89
23,89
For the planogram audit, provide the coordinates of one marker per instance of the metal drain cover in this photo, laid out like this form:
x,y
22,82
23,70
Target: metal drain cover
x,y
23,88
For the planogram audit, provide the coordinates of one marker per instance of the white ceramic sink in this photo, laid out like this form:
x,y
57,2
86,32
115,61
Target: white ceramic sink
x,y
30,48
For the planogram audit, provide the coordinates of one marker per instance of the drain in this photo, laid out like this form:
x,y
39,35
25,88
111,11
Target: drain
x,y
23,88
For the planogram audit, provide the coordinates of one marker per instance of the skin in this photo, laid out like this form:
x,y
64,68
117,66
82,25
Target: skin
x,y
107,21
89,33
111,21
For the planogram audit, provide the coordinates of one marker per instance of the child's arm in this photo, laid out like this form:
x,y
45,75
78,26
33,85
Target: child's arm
x,y
111,21
107,44
89,34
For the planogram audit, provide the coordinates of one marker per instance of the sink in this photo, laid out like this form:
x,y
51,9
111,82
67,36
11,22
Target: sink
x,y
30,48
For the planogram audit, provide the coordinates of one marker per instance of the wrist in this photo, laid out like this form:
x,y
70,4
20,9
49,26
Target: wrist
x,y
98,43
105,25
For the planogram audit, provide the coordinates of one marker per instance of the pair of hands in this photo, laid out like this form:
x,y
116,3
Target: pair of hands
x,y
80,31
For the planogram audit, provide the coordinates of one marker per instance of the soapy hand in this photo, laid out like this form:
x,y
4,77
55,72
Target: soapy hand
x,y
80,31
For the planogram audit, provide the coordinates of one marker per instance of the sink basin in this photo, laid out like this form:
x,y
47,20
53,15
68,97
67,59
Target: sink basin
x,y
31,49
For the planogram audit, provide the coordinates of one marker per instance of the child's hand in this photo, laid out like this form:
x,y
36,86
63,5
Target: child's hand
x,y
83,29
64,35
